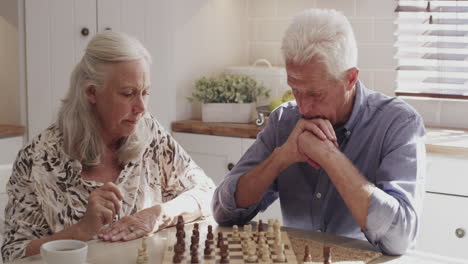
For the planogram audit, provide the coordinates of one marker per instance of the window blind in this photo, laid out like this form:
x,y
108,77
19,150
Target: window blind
x,y
432,48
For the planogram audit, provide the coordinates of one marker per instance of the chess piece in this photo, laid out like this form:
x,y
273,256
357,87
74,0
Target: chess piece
x,y
235,233
220,240
142,252
177,258
326,255
224,254
307,256
180,223
208,249
276,226
259,226
251,252
180,234
194,259
270,230
280,257
210,235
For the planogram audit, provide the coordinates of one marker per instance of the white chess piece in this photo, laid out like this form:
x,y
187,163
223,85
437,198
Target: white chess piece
x,y
270,231
235,233
251,252
280,257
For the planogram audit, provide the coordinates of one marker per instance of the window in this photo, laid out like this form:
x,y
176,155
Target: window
x,y
432,44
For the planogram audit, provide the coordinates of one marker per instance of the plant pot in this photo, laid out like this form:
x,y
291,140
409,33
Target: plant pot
x,y
227,112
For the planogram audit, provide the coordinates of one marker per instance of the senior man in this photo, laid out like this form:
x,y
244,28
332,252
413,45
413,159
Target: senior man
x,y
341,158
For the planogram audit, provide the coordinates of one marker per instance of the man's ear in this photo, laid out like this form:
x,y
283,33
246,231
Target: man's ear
x,y
351,77
91,92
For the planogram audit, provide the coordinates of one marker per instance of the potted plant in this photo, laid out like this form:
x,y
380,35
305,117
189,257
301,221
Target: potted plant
x,y
228,98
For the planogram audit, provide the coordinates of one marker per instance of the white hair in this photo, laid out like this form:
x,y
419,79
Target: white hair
x,y
322,34
76,119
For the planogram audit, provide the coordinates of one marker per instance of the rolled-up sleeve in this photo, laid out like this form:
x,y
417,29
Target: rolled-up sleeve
x,y
24,220
225,210
395,205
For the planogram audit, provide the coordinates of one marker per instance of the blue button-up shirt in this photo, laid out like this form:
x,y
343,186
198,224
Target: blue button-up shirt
x,y
383,138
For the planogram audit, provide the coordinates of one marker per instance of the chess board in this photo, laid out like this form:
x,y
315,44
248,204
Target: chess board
x,y
236,255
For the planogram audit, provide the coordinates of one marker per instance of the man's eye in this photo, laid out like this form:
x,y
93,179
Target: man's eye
x,y
127,94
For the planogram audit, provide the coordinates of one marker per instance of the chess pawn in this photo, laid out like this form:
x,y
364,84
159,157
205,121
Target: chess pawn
x,y
259,226
210,235
224,254
261,238
194,259
235,233
251,253
265,255
276,226
270,231
326,255
280,257
177,258
277,240
220,240
307,257
208,249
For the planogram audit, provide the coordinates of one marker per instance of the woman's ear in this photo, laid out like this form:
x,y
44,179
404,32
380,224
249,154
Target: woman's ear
x,y
90,91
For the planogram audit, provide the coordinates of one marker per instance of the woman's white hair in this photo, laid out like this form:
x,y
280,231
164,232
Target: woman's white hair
x,y
76,119
322,34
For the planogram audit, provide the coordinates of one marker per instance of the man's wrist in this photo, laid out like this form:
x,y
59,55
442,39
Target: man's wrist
x,y
281,159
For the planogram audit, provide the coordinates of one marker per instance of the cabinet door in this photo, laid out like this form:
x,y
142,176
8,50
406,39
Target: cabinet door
x,y
213,154
444,229
54,43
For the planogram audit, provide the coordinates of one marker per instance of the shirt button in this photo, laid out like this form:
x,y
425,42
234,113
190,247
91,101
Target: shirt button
x,y
348,133
318,195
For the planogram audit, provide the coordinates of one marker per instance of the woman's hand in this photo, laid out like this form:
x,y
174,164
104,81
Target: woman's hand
x,y
134,226
103,204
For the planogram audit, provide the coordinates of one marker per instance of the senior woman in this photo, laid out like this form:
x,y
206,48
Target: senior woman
x,y
106,168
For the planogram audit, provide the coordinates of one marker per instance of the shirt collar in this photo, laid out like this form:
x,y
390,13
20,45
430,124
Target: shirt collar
x,y
359,104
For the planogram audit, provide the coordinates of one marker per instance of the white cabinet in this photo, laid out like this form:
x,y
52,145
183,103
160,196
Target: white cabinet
x,y
57,32
444,221
215,155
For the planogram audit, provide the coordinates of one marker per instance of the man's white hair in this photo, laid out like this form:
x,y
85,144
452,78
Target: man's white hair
x,y
323,34
76,119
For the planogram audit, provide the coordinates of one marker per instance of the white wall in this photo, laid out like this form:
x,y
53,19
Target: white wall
x,y
373,24
9,80
372,21
210,35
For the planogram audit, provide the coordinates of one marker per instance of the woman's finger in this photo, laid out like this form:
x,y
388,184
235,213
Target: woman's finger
x,y
134,235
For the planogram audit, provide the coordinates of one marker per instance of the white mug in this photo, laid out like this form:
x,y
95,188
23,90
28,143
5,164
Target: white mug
x,y
64,251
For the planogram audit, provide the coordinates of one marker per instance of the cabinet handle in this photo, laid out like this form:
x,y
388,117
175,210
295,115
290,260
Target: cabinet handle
x,y
230,166
460,232
108,28
85,31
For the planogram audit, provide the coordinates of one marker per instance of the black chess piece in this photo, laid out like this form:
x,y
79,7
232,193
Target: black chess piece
x,y
327,255
177,258
259,226
224,254
307,256
210,235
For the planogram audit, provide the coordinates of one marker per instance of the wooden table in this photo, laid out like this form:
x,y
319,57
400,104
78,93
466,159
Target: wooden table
x,y
126,252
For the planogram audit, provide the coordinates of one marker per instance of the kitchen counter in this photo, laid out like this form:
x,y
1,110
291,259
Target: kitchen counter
x,y
217,129
440,140
11,130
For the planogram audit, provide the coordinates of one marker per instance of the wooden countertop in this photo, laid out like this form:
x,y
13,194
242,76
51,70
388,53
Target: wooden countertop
x,y
439,140
11,130
218,129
